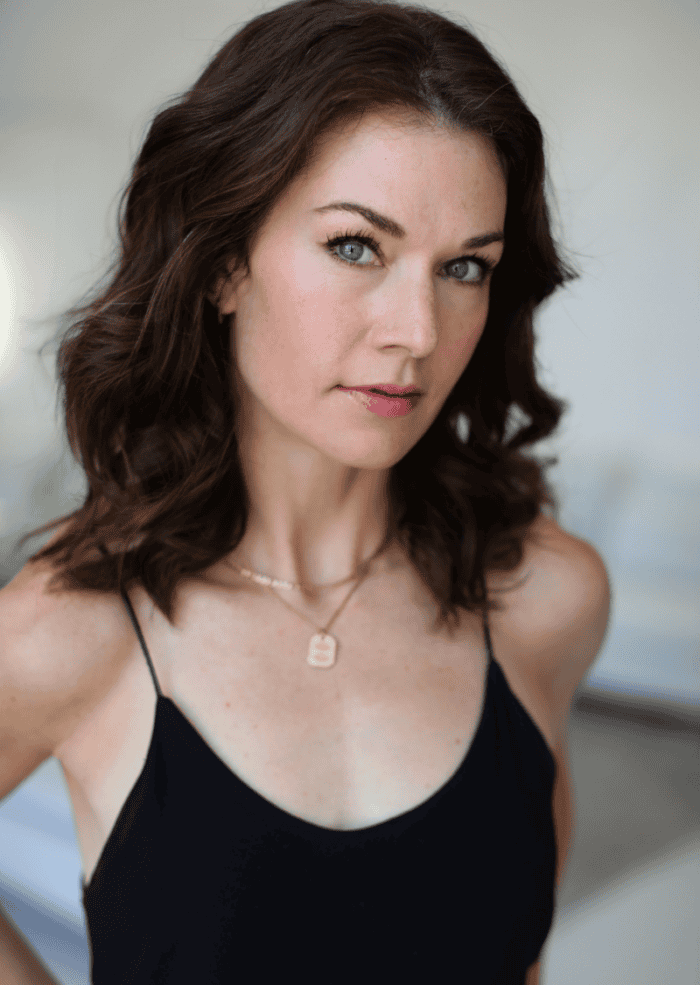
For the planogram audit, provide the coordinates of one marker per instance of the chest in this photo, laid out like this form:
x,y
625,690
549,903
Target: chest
x,y
343,748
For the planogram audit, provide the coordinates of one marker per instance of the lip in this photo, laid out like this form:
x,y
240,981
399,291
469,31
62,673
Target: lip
x,y
388,389
398,405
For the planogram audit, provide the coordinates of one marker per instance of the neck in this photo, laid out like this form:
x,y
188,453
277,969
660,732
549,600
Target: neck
x,y
312,523
321,565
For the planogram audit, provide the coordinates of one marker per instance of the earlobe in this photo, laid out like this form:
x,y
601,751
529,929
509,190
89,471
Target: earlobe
x,y
214,296
221,287
226,290
216,304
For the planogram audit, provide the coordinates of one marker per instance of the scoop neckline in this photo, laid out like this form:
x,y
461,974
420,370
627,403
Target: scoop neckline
x,y
323,831
318,830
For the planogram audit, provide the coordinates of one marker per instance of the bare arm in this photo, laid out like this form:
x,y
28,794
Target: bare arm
x,y
19,964
33,696
584,600
533,974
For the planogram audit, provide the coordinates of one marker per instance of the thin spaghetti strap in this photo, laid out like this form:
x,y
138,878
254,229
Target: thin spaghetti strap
x,y
132,616
487,634
134,620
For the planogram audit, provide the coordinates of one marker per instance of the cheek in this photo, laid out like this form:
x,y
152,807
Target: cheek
x,y
277,359
460,347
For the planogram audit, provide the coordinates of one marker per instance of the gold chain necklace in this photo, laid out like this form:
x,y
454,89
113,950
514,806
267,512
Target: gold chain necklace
x,y
322,647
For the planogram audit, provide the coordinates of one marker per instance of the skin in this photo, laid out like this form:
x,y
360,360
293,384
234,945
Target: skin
x,y
316,463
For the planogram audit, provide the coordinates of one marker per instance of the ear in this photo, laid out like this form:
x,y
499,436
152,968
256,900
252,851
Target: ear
x,y
225,293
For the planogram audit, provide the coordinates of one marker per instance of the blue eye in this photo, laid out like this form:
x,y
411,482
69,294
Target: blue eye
x,y
364,238
485,264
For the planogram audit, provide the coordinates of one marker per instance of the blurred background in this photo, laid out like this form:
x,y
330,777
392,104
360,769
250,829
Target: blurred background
x,y
615,86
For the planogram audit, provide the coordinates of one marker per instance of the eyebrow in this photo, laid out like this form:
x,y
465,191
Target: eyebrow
x,y
392,228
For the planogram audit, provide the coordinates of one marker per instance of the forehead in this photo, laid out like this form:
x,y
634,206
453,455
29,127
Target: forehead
x,y
401,162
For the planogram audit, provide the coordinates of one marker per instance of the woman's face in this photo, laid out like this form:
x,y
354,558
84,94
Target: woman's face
x,y
310,317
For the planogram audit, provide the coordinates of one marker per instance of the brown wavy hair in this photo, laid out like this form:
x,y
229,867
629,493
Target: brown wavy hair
x,y
144,367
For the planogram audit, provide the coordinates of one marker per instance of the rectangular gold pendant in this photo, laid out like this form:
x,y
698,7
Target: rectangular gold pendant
x,y
322,650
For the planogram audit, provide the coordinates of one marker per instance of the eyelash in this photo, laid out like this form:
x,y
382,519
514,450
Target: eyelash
x,y
366,238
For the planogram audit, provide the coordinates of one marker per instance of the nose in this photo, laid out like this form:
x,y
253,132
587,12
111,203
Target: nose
x,y
413,316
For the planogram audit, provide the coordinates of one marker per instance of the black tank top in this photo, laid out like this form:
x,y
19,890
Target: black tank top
x,y
204,881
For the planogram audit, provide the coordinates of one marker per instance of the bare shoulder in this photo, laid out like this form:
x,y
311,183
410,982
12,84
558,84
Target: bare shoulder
x,y
559,611
566,580
59,651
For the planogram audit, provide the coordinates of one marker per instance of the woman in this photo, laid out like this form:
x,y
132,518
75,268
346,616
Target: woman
x,y
306,652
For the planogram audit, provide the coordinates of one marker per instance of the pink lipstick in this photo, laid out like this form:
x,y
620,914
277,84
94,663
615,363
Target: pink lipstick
x,y
382,403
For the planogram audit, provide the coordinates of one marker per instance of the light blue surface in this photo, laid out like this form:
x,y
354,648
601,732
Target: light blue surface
x,y
40,859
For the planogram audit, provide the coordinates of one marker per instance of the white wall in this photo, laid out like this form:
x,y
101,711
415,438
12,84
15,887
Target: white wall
x,y
615,85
